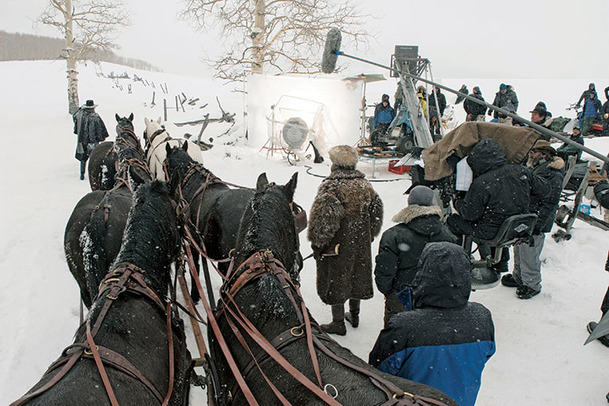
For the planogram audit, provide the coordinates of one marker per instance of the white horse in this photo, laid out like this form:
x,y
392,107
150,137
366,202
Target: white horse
x,y
157,138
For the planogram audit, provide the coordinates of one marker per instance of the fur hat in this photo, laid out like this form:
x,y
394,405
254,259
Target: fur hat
x,y
89,104
544,146
576,125
343,155
421,196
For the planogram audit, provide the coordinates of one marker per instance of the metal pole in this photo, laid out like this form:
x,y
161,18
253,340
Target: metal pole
x,y
537,127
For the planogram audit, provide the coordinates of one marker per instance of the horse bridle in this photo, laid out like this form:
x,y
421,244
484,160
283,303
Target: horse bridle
x,y
125,278
257,265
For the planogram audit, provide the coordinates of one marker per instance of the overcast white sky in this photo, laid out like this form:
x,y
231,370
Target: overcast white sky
x,y
463,39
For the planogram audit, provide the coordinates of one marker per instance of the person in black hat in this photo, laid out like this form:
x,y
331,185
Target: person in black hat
x,y
526,278
401,245
90,130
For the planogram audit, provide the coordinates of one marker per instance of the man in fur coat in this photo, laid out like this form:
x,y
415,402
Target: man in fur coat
x,y
544,163
401,246
345,217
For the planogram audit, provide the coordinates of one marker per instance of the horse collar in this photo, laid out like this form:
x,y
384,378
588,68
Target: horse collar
x,y
157,132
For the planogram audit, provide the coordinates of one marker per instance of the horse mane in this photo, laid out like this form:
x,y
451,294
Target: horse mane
x,y
178,163
267,223
151,238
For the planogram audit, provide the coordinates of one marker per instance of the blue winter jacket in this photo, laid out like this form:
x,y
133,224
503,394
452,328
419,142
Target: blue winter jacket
x,y
383,115
446,340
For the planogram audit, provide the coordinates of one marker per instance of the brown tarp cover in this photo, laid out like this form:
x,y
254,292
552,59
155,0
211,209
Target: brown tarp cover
x,y
515,142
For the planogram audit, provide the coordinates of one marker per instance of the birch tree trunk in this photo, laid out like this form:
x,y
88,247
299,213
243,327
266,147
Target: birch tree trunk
x,y
72,74
257,36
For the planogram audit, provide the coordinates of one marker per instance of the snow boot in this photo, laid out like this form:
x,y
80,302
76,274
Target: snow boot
x,y
524,292
338,321
604,339
509,281
352,316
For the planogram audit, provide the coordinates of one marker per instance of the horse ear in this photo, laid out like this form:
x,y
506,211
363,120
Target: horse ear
x,y
261,183
131,117
159,120
146,121
117,117
167,148
290,187
185,146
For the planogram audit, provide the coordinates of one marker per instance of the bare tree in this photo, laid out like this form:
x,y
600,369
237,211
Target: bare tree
x,y
274,35
87,26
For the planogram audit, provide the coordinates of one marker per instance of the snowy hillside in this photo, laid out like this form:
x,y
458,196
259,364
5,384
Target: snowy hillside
x,y
540,357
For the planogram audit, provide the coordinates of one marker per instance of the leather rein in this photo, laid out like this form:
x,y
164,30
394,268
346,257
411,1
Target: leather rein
x,y
125,278
259,264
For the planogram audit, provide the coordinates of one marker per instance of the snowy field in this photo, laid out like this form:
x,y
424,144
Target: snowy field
x,y
540,357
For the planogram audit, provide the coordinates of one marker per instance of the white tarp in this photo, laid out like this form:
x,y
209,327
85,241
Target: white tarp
x,y
329,105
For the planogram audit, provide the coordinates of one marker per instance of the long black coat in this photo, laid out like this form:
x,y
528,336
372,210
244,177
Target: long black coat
x,y
499,190
90,129
401,246
546,205
346,211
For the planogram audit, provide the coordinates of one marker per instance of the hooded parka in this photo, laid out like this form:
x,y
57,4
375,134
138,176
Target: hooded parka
x,y
401,246
498,190
445,341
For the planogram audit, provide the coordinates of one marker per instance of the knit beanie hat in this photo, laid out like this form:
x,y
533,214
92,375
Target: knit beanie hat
x,y
421,196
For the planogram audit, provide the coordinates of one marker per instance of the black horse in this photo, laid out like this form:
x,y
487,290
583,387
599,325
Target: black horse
x,y
104,158
261,301
143,352
94,231
211,208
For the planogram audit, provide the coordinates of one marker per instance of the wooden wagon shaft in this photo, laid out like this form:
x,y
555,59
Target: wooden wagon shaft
x,y
196,329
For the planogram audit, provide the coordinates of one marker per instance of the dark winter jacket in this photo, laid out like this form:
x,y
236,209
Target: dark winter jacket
x,y
90,129
605,113
585,96
401,246
566,149
592,107
446,340
473,108
346,211
383,114
499,190
502,100
462,93
546,205
441,101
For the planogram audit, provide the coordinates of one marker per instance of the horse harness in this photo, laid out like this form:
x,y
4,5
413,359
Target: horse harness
x,y
259,264
125,278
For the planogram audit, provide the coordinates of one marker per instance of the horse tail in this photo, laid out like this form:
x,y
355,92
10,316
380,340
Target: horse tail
x,y
93,245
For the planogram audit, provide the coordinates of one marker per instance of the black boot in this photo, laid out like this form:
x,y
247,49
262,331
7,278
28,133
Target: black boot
x,y
352,316
82,169
338,321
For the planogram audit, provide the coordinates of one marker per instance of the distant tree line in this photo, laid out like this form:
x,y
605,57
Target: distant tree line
x,y
27,47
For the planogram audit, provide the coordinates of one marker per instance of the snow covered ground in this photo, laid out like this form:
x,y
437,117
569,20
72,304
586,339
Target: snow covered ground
x,y
540,357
